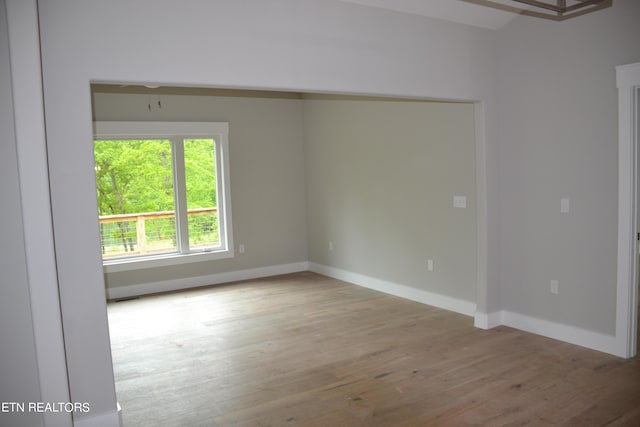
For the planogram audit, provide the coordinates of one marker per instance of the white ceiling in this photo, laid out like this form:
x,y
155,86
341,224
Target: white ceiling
x,y
458,11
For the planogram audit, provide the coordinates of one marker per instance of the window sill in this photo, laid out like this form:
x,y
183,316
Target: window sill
x,y
141,263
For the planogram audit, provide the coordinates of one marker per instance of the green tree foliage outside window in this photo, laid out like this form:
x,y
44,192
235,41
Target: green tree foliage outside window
x,y
136,177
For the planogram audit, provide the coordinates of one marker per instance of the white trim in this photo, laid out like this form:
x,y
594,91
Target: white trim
x,y
106,419
487,320
482,291
223,174
557,331
180,195
561,332
26,76
177,132
628,78
198,281
106,129
437,300
163,260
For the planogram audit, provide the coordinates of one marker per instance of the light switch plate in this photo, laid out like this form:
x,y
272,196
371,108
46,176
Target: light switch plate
x,y
459,201
564,205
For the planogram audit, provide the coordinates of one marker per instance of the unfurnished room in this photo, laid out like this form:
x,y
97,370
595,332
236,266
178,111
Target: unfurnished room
x,y
319,212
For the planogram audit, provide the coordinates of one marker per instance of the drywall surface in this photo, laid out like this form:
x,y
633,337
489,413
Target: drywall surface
x,y
18,366
381,178
304,45
558,139
266,168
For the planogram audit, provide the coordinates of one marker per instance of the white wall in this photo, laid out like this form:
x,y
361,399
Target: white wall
x,y
558,138
18,367
381,176
304,45
556,122
266,172
556,125
384,197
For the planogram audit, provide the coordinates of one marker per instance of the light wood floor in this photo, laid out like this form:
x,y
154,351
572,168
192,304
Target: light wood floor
x,y
306,350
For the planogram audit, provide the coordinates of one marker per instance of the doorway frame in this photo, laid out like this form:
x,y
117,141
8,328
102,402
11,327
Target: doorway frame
x,y
628,83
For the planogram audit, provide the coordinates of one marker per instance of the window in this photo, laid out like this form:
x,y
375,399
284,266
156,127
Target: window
x,y
163,193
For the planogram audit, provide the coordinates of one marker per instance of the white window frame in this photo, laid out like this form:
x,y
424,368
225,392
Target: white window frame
x,y
173,131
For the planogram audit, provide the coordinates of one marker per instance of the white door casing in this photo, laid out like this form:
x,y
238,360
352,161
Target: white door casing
x,y
628,82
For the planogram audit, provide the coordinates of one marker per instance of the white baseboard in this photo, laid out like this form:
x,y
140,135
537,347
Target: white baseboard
x,y
571,334
558,331
488,320
106,419
425,297
211,279
561,332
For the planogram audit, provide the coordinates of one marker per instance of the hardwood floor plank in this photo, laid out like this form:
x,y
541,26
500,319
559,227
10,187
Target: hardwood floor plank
x,y
307,350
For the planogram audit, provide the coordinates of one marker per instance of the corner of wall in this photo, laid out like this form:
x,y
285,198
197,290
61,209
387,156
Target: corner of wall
x,y
441,301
